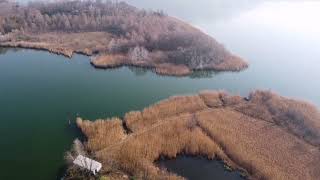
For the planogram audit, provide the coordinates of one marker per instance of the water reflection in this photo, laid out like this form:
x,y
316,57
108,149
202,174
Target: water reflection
x,y
138,71
3,50
204,74
194,168
280,40
6,50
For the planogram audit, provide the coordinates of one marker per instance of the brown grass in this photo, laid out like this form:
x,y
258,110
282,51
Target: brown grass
x,y
117,60
108,61
213,99
173,70
99,129
65,44
146,38
263,149
231,63
96,43
167,108
300,118
212,124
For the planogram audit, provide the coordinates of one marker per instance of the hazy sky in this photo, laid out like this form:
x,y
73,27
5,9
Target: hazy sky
x,y
194,11
199,10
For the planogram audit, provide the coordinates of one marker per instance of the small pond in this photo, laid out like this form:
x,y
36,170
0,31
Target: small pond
x,y
195,168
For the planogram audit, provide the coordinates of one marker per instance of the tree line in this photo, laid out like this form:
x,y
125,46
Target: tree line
x,y
134,31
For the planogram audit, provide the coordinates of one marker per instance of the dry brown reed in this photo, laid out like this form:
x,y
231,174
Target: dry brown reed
x,y
211,124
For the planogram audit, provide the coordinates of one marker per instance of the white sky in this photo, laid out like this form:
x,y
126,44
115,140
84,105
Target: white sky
x,y
299,17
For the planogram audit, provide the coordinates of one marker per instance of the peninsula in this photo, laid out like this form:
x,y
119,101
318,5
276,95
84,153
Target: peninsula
x,y
114,34
265,136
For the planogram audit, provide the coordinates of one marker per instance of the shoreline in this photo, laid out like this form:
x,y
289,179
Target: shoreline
x,y
212,125
226,167
166,69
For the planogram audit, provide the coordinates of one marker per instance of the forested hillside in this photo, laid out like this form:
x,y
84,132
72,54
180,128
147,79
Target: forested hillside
x,y
145,37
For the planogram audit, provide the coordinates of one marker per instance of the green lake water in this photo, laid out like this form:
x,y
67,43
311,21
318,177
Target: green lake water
x,y
40,92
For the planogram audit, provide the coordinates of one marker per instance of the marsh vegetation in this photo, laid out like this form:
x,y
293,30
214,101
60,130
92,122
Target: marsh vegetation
x,y
116,34
251,134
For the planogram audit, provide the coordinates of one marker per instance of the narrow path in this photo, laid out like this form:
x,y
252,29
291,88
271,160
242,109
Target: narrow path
x,y
148,129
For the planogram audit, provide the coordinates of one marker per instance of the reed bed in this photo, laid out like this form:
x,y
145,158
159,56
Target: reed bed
x,y
255,135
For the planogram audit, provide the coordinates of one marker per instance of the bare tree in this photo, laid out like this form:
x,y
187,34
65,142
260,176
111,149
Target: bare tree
x,y
138,54
135,32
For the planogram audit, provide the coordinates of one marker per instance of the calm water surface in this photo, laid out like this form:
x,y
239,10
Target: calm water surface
x,y
39,91
195,168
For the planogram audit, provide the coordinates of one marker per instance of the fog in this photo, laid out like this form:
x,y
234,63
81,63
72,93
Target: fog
x,y
200,10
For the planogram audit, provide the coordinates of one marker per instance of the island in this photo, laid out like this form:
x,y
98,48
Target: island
x,y
264,135
114,34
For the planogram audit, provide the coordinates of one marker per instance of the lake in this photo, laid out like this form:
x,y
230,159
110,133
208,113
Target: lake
x,y
41,92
